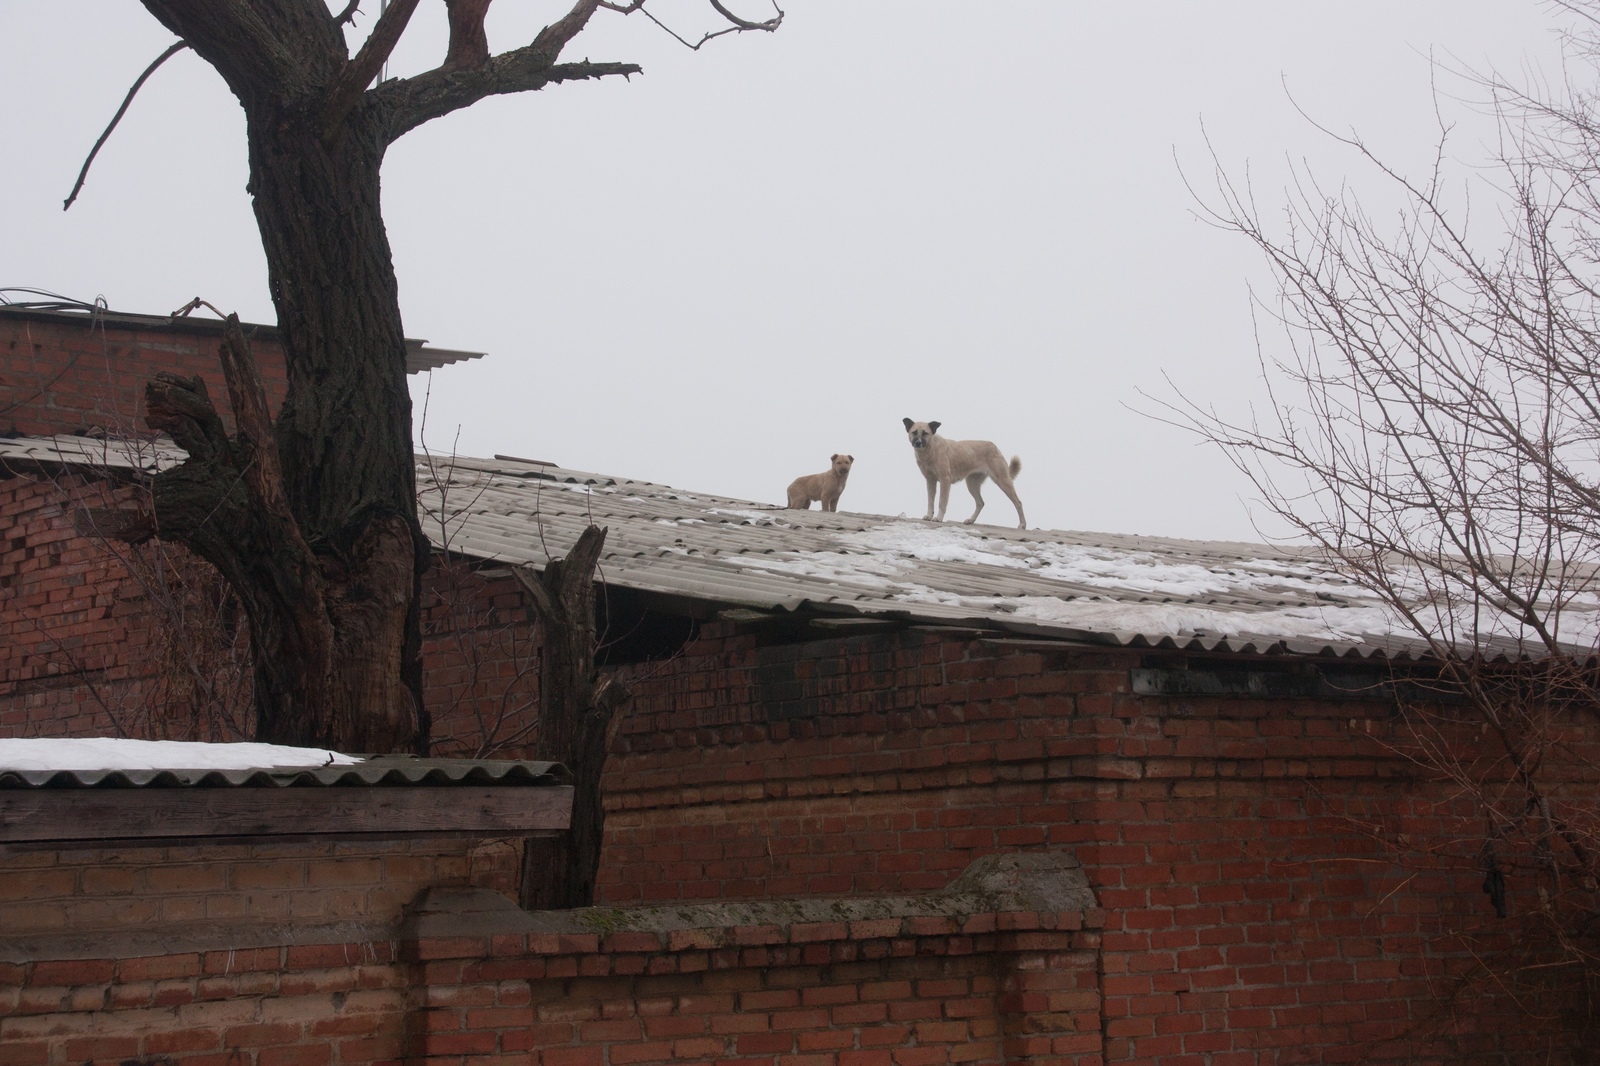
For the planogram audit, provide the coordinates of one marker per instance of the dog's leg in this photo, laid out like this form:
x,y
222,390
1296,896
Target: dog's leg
x,y
974,484
944,498
929,516
1008,487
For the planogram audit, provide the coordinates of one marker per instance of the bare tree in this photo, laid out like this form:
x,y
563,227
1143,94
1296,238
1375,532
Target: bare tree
x,y
534,685
312,517
488,652
1435,429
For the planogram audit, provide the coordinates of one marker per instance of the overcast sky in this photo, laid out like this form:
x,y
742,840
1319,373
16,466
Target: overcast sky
x,y
755,255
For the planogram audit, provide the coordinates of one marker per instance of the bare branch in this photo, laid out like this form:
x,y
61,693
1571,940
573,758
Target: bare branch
x,y
414,101
469,44
739,25
1433,425
352,81
769,24
83,174
348,15
528,578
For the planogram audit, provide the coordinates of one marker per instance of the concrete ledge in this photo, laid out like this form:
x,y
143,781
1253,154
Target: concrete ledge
x,y
1043,892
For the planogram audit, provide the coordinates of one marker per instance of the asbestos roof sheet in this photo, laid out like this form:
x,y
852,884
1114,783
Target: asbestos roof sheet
x,y
115,455
385,772
729,553
1100,588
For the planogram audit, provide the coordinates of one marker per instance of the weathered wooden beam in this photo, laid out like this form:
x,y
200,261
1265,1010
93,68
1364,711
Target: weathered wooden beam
x,y
84,816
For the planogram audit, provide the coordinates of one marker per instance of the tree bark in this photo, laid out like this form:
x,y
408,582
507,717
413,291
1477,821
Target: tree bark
x,y
577,720
344,433
313,520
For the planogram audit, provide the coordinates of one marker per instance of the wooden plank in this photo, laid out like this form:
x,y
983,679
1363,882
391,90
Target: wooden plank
x,y
25,847
201,813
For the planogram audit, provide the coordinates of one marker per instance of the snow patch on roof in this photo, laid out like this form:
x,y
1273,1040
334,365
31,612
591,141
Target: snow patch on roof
x,y
1351,625
1118,569
115,753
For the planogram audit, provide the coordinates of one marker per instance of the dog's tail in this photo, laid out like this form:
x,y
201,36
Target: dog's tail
x,y
1016,466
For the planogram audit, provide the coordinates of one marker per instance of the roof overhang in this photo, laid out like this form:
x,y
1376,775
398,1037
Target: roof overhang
x,y
419,357
379,799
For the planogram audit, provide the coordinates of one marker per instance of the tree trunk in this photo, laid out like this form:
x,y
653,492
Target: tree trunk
x,y
314,520
331,582
577,713
345,430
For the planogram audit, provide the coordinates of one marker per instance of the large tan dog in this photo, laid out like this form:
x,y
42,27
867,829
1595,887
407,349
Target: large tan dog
x,y
824,488
944,461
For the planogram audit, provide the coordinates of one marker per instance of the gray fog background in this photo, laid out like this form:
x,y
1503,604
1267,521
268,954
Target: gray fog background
x,y
721,272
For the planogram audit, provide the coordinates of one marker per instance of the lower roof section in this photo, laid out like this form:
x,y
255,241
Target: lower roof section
x,y
391,797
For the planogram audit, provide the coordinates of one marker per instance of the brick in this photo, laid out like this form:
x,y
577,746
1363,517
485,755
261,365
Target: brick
x,y
158,967
300,1055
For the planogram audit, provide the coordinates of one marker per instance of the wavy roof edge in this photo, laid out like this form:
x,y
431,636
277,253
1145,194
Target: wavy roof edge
x,y
522,517
419,357
381,772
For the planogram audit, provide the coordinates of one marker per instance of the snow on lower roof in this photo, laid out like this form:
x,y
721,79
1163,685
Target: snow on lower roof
x,y
115,753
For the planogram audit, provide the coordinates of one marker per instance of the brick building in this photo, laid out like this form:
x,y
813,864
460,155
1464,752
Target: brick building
x,y
885,793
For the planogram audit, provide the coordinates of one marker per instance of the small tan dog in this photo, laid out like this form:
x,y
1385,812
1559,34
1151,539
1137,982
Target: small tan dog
x,y
943,462
825,488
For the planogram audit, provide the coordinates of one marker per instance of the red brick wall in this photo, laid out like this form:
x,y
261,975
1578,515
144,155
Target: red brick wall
x,y
984,987
1261,908
1282,886
220,954
71,899
804,997
480,668
68,376
80,647
103,639
87,648
310,1005
67,627
1245,848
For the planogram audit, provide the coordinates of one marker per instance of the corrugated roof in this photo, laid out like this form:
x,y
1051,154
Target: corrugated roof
x,y
726,552
1101,588
419,357
121,455
382,772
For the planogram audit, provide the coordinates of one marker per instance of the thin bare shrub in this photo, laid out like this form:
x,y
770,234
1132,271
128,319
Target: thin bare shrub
x,y
183,671
1434,427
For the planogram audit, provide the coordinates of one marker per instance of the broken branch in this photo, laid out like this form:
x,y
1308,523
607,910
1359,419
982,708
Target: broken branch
x,y
114,523
469,44
257,442
126,100
182,408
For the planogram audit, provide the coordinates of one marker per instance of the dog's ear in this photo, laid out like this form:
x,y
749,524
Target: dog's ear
x,y
851,458
834,458
908,423
933,427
